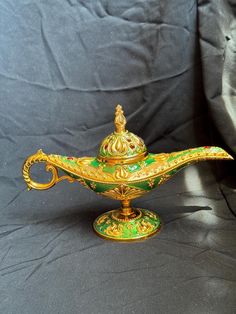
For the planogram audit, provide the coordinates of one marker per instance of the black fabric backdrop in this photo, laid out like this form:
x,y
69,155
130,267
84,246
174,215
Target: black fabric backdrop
x,y
64,65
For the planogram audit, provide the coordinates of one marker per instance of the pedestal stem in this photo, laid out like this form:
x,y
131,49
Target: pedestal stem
x,y
126,209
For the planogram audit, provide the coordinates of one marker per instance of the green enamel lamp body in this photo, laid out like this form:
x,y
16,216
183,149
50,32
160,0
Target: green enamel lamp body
x,y
123,170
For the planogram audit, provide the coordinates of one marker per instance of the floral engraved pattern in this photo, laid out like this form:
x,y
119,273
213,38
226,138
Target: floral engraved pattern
x,y
123,192
102,219
121,173
151,214
145,227
164,178
114,229
161,166
112,225
151,183
122,144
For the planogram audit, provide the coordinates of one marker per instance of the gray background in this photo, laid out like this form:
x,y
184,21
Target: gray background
x,y
64,65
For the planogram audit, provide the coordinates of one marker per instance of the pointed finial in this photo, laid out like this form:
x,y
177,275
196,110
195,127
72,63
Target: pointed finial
x,y
120,120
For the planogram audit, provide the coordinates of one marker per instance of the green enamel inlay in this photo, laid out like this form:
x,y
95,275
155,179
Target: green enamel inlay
x,y
145,185
141,185
149,159
99,187
210,149
109,169
173,157
72,162
157,180
70,174
133,143
95,163
146,224
134,167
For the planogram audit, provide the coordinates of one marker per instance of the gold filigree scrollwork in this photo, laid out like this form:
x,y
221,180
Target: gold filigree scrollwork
x,y
164,178
124,192
121,173
151,182
114,230
118,147
144,227
40,156
102,219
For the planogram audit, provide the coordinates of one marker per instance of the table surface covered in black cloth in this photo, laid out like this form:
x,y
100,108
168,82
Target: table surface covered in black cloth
x,y
64,65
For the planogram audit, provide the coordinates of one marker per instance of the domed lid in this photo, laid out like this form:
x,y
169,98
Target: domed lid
x,y
121,146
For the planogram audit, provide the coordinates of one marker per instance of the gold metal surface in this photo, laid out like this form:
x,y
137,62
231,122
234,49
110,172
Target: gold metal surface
x,y
120,120
40,156
139,228
121,239
123,170
124,192
160,168
122,160
121,146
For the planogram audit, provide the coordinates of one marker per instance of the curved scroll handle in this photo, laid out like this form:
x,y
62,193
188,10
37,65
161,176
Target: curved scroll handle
x,y
40,156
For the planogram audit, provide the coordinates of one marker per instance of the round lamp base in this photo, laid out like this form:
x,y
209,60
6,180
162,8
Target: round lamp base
x,y
138,224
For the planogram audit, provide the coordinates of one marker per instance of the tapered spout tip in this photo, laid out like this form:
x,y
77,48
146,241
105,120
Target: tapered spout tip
x,y
225,155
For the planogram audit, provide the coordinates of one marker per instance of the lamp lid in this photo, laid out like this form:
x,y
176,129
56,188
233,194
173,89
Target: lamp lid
x,y
121,146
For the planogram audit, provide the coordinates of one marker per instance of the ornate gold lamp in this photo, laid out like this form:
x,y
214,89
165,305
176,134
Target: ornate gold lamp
x,y
123,170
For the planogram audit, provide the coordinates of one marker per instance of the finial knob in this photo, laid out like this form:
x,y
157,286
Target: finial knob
x,y
120,120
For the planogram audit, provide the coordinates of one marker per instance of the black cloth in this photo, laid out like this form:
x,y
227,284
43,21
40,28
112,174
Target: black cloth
x,y
64,65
